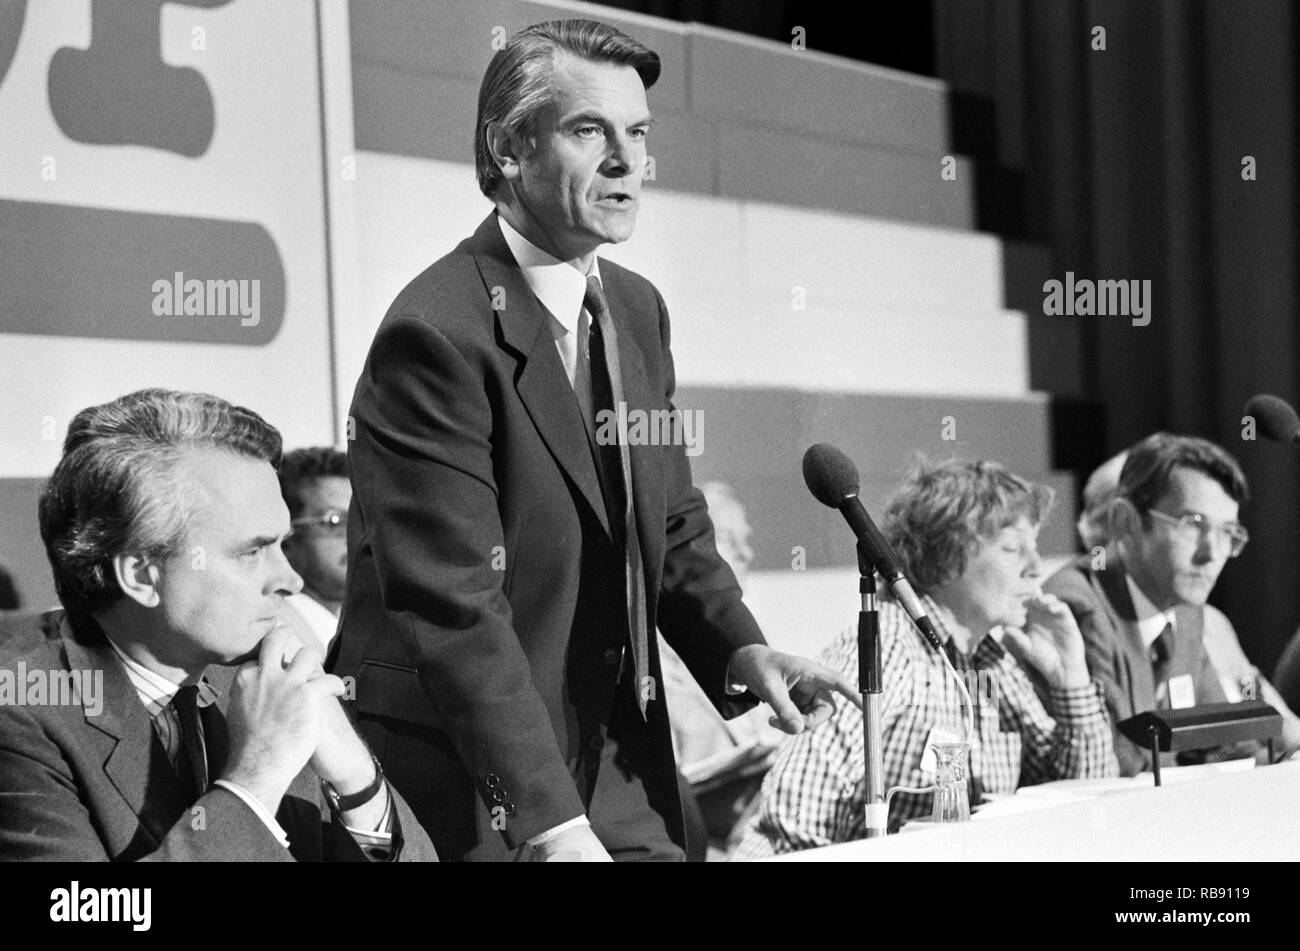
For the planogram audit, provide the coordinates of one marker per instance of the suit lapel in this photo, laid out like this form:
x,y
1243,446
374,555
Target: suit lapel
x,y
541,382
1114,584
134,760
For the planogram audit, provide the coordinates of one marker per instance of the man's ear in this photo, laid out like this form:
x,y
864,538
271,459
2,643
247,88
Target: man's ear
x,y
137,576
505,148
1125,520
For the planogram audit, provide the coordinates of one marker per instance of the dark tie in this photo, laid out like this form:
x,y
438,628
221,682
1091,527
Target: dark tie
x,y
1162,652
191,764
616,476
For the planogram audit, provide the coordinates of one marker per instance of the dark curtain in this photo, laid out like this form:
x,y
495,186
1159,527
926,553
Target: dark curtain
x,y
1130,161
899,35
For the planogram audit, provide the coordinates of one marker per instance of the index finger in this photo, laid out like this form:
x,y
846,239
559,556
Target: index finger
x,y
831,680
274,646
302,666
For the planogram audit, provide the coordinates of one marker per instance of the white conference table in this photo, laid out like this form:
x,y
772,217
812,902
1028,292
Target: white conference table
x,y
1241,816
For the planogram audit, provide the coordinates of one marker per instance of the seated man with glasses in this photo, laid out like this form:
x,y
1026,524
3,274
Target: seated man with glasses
x,y
315,486
1141,601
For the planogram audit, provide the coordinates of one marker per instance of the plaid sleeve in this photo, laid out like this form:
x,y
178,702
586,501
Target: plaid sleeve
x,y
813,794
1074,741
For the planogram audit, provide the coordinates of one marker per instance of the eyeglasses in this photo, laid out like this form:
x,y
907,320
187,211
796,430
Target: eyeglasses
x,y
330,522
1194,526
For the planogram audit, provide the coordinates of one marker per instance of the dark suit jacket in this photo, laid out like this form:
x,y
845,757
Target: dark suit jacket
x,y
485,610
1102,605
91,781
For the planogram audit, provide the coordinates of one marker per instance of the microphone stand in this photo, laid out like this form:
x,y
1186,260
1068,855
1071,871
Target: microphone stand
x,y
869,685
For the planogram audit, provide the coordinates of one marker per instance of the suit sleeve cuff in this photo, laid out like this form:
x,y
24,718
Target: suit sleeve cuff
x,y
258,809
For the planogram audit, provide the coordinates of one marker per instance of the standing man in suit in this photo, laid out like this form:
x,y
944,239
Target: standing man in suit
x,y
509,562
1141,602
163,523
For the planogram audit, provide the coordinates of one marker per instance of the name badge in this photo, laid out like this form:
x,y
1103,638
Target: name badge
x,y
1181,692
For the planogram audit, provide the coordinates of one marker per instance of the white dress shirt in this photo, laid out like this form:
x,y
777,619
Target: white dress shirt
x,y
1151,621
320,620
560,288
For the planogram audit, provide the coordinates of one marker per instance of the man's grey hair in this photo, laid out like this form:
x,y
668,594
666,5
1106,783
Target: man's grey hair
x,y
517,84
115,490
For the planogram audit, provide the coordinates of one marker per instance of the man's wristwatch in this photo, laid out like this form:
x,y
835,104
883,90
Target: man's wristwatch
x,y
354,800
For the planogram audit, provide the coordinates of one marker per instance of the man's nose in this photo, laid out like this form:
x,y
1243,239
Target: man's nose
x,y
1212,546
284,580
622,154
1033,565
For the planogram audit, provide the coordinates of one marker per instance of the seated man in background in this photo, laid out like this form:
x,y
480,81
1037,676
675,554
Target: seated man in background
x,y
315,486
163,523
1239,678
966,534
1141,601
1098,493
722,761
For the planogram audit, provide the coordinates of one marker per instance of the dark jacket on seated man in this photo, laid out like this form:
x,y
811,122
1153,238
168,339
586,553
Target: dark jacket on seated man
x,y
89,780
1117,657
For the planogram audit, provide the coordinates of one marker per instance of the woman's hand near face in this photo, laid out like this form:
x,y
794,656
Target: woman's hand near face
x,y
1050,642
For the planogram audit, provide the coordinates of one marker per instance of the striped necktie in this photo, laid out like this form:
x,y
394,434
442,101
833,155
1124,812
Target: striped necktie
x,y
1162,650
616,477
191,764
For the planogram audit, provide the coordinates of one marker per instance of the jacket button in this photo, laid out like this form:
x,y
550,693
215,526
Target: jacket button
x,y
492,779
597,743
509,808
612,654
499,795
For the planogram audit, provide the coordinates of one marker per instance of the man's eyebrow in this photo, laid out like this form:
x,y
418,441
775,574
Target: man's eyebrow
x,y
596,118
262,541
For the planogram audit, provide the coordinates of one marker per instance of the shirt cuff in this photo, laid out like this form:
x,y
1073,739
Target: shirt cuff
x,y
1077,704
377,843
729,685
258,808
542,837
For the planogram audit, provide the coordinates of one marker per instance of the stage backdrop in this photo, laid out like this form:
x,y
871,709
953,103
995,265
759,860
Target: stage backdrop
x,y
810,221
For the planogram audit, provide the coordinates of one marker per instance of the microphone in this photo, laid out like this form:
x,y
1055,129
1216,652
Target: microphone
x,y
832,478
1277,420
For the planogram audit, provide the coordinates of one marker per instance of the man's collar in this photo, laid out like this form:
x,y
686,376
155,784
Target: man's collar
x,y
155,690
1151,621
559,285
